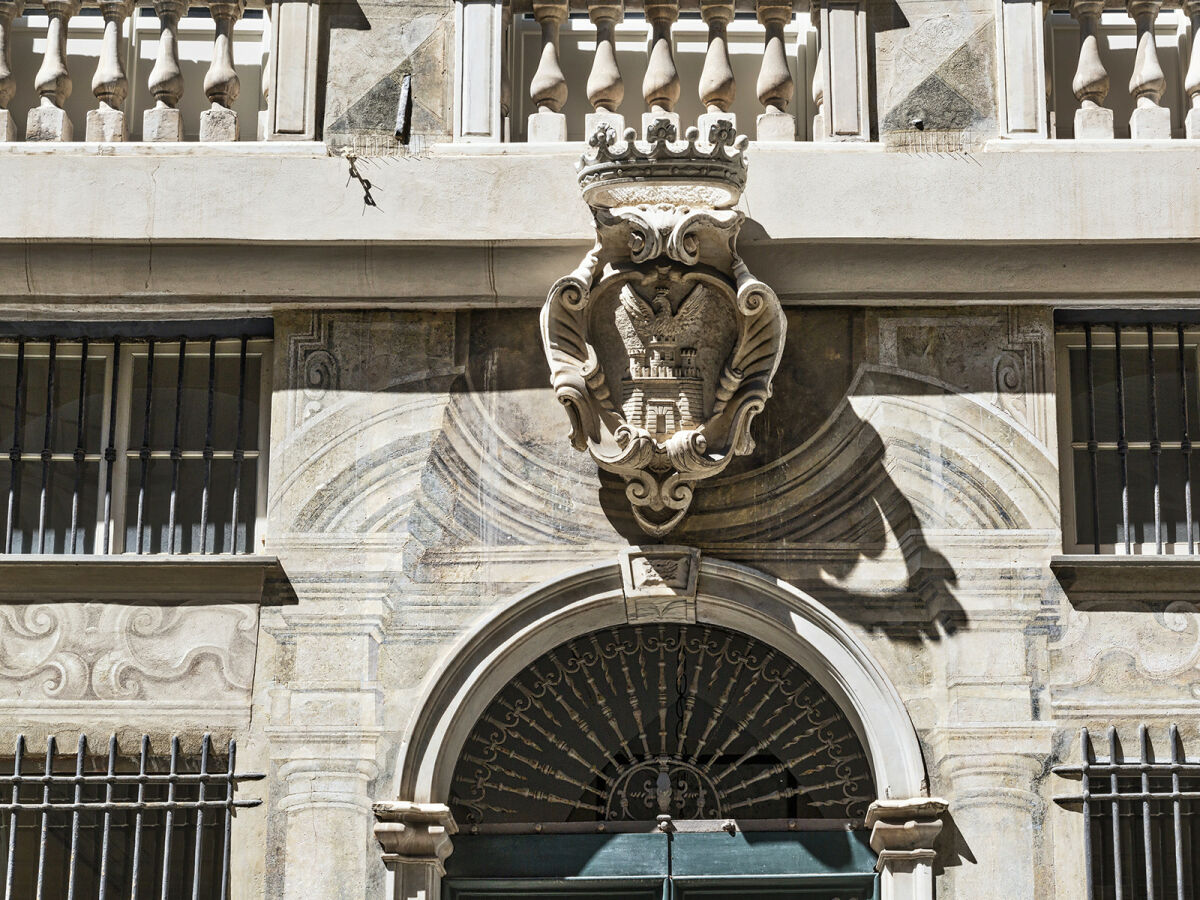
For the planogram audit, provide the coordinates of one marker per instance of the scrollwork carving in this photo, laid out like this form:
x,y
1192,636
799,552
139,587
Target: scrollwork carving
x,y
662,345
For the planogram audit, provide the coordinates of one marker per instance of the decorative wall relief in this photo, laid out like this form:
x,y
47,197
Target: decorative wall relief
x,y
661,344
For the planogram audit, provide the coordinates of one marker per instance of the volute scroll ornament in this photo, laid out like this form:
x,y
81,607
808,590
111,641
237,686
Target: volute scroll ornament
x,y
662,345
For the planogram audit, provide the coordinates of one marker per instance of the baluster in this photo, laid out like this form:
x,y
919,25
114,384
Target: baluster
x,y
1149,120
660,87
775,85
268,63
605,89
549,86
109,84
9,10
221,83
48,120
818,78
1092,119
164,122
717,84
1191,82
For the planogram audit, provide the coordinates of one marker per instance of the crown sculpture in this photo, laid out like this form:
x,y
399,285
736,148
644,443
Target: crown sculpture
x,y
661,344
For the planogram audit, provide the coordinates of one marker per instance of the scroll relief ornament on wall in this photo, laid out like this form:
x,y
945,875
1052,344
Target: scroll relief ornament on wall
x,y
661,344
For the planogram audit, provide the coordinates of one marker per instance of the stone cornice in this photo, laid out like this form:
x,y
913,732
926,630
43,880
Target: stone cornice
x,y
135,579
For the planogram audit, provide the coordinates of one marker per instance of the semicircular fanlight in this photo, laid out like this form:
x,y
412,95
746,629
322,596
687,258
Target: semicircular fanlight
x,y
691,721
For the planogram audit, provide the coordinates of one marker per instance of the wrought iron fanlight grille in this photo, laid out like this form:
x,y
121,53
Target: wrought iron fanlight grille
x,y
634,722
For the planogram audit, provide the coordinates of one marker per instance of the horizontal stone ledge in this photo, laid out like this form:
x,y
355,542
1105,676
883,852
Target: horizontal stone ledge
x,y
1010,191
175,280
1136,583
136,579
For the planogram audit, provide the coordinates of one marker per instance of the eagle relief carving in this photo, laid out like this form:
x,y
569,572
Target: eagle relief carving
x,y
662,345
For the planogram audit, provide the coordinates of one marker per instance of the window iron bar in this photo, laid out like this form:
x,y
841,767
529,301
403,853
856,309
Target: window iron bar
x,y
1116,804
1118,881
239,447
1093,448
1123,450
145,450
74,857
176,452
47,445
14,454
84,810
1155,446
208,444
80,455
110,452
1186,443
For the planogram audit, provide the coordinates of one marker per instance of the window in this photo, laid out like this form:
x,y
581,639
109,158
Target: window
x,y
1130,405
102,826
1141,840
135,444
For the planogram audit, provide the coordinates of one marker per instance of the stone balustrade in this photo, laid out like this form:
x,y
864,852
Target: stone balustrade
x,y
168,72
553,70
1101,69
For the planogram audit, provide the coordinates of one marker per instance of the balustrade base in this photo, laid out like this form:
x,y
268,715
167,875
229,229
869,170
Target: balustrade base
x,y
1150,123
706,121
219,124
592,121
105,125
776,126
48,123
547,128
650,118
1192,124
1094,123
8,128
162,124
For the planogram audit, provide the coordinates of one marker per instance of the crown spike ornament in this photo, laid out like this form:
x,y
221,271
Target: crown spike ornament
x,y
662,346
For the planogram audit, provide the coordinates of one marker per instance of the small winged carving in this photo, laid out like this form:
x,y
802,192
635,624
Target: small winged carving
x,y
654,320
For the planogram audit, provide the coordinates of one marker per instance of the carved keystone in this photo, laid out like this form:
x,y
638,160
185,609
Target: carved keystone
x,y
415,838
660,583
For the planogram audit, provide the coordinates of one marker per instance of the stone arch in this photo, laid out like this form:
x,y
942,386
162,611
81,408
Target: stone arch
x,y
730,595
726,594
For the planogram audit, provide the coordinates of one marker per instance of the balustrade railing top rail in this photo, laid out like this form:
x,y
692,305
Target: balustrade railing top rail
x,y
286,60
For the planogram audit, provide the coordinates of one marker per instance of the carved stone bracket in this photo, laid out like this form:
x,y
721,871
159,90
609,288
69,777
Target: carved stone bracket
x,y
903,834
415,838
662,345
660,583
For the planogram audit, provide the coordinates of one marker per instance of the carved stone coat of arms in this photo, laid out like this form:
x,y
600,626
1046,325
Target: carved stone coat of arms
x,y
661,344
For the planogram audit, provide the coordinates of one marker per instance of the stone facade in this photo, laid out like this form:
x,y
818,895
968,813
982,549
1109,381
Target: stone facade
x,y
430,529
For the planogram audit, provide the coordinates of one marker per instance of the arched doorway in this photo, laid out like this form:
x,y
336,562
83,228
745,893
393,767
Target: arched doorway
x,y
558,731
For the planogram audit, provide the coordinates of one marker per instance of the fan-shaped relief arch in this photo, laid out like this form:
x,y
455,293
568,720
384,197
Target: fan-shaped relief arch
x,y
628,723
730,598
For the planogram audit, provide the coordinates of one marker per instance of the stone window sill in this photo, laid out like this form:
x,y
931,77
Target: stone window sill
x,y
1145,579
132,578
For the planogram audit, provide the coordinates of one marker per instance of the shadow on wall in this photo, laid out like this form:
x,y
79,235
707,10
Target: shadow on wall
x,y
855,463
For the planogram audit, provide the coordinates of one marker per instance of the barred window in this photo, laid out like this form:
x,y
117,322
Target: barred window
x,y
127,444
1128,468
115,825
1141,837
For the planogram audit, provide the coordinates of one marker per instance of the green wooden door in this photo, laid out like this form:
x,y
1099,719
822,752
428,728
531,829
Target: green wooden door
x,y
820,865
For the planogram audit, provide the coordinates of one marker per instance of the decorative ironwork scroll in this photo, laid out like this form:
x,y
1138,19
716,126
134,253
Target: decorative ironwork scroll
x,y
662,345
630,723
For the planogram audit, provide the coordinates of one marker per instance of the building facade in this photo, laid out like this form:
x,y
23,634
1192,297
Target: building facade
x,y
420,486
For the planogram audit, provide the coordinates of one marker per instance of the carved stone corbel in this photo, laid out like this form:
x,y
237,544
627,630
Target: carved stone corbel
x,y
415,838
903,834
662,345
